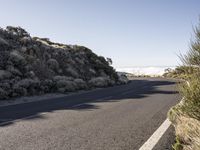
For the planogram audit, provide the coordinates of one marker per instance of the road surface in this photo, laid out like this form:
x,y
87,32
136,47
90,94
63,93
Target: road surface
x,y
115,118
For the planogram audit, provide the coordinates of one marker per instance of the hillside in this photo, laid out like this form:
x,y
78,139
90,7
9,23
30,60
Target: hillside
x,y
32,66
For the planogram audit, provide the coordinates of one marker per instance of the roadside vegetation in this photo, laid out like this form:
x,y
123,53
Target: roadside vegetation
x,y
34,66
186,115
181,72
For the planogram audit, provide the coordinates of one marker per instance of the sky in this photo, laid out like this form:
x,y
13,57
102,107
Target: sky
x,y
131,32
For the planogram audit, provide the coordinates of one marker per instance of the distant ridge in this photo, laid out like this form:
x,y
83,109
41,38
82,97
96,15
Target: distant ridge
x,y
149,70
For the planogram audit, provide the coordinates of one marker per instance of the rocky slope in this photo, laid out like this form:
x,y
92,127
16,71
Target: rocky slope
x,y
32,65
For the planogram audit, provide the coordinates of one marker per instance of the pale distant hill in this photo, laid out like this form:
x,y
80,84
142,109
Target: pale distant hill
x,y
150,71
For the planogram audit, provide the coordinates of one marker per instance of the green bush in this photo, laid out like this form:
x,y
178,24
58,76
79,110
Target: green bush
x,y
177,145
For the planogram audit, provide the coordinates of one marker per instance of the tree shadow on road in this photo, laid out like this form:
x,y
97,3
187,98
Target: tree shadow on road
x,y
136,89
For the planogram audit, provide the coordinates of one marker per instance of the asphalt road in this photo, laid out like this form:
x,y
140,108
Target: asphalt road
x,y
114,118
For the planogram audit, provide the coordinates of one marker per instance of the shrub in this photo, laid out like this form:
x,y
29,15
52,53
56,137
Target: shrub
x,y
193,55
71,72
80,84
17,60
42,71
191,92
99,82
4,57
3,94
191,89
4,74
177,145
37,65
3,42
53,64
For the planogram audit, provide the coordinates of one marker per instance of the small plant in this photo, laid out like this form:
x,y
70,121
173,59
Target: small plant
x,y
177,145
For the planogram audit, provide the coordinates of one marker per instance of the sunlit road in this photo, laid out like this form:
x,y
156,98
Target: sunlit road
x,y
115,118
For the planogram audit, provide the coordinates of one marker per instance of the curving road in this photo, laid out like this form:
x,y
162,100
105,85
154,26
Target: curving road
x,y
114,118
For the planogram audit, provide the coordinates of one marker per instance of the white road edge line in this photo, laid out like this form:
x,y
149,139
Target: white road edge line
x,y
153,140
